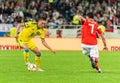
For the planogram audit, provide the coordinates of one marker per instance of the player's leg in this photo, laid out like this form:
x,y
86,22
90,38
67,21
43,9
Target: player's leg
x,y
94,56
92,62
26,50
26,54
85,50
37,52
96,59
95,65
37,58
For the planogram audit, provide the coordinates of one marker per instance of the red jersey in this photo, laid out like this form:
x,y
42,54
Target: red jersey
x,y
89,32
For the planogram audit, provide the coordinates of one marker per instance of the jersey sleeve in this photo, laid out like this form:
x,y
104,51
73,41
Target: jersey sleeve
x,y
42,36
28,24
83,22
42,33
99,30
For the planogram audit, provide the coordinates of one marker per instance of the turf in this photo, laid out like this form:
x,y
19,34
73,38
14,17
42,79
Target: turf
x,y
64,67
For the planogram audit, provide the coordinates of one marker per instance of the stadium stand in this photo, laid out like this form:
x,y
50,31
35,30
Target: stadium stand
x,y
60,12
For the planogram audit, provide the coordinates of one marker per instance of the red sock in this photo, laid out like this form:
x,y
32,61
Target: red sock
x,y
97,67
96,59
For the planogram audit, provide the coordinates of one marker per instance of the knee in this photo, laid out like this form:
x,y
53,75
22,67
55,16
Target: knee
x,y
26,50
38,55
96,60
86,53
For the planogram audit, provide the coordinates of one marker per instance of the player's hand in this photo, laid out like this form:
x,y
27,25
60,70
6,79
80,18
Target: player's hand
x,y
105,49
54,51
16,36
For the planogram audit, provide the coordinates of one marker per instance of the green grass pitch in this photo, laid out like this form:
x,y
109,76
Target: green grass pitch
x,y
64,67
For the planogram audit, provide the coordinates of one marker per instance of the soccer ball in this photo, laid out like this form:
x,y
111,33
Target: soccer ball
x,y
31,67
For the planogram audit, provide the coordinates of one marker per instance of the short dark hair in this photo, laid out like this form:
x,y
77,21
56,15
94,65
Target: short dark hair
x,y
90,15
43,16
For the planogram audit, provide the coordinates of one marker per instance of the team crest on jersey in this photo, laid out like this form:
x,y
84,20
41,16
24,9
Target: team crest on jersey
x,y
38,33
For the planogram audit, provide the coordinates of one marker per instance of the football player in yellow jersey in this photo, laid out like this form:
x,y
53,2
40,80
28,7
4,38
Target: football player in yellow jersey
x,y
29,31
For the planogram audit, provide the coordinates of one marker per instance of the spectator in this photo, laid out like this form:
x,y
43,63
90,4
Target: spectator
x,y
75,19
59,33
103,9
13,31
47,33
78,33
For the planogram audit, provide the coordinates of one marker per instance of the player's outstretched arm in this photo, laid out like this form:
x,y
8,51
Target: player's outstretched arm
x,y
18,28
104,42
47,46
81,18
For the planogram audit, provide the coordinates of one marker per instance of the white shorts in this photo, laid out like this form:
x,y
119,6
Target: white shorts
x,y
90,50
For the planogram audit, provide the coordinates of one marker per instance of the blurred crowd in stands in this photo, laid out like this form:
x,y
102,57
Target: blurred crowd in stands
x,y
60,12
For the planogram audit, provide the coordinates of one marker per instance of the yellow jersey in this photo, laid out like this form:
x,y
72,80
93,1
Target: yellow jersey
x,y
75,20
30,31
12,31
102,28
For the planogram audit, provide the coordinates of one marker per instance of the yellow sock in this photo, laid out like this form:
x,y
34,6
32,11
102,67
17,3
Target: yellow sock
x,y
37,61
26,57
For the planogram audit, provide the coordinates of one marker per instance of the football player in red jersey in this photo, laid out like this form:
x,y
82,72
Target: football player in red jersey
x,y
89,40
